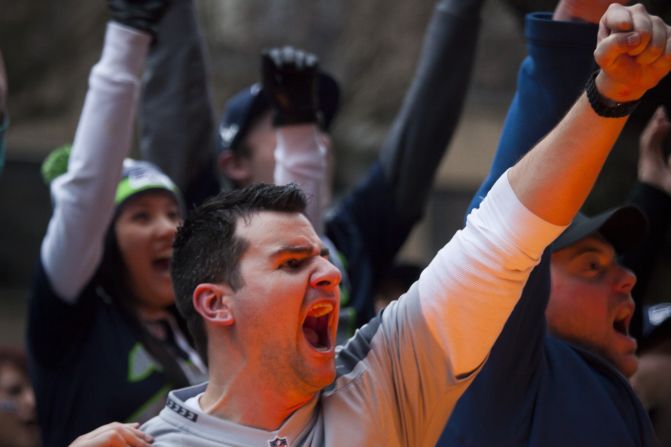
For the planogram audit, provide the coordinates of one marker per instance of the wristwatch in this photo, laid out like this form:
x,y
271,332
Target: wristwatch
x,y
604,106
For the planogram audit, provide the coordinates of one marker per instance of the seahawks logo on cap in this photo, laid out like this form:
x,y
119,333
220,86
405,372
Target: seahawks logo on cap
x,y
228,133
140,175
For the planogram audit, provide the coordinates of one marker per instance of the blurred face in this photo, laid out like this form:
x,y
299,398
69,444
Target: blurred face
x,y
286,312
590,303
145,230
259,165
18,419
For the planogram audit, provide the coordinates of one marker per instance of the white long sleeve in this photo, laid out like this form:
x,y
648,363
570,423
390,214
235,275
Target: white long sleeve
x,y
301,159
472,285
84,196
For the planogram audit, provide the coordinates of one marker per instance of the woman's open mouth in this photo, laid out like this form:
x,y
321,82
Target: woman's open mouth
x,y
162,264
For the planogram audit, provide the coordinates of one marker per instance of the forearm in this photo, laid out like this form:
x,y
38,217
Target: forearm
x,y
554,179
176,118
432,106
84,196
469,290
301,159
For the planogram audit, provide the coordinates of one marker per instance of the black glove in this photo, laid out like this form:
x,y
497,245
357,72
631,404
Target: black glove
x,y
143,15
290,80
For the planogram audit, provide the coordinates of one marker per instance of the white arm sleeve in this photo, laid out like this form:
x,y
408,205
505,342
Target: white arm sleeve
x,y
301,159
472,285
84,196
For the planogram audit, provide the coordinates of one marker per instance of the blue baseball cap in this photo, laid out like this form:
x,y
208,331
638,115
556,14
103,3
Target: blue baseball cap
x,y
624,227
247,106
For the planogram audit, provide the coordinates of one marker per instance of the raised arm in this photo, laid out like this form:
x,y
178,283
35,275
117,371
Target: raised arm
x,y
560,59
432,106
513,364
371,224
176,117
83,197
634,53
290,80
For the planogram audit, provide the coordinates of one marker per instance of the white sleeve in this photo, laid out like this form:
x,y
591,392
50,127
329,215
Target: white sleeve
x,y
472,285
300,158
84,196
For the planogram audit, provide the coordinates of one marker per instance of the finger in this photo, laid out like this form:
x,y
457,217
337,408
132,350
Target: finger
x,y
616,19
130,436
105,428
311,60
642,25
300,59
288,57
136,438
654,133
657,44
276,56
614,46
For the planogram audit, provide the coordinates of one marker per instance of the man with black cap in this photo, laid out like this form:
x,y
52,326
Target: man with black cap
x,y
370,224
557,374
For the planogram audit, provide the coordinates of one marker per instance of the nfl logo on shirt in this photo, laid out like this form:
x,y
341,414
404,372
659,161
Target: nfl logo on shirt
x,y
278,442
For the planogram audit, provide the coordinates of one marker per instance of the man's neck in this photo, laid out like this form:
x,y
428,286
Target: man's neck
x,y
244,402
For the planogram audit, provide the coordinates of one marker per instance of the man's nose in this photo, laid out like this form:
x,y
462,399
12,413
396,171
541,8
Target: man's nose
x,y
326,276
626,280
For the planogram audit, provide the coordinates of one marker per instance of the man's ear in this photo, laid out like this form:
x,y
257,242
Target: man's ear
x,y
235,167
213,303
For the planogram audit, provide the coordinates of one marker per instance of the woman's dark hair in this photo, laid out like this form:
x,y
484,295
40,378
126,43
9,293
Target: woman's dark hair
x,y
112,277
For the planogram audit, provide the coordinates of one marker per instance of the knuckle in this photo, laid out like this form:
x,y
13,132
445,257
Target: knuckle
x,y
639,7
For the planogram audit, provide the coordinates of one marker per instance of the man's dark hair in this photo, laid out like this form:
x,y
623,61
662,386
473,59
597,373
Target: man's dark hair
x,y
206,249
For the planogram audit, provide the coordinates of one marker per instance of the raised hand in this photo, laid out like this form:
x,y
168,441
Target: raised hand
x,y
143,15
290,80
114,434
653,164
633,51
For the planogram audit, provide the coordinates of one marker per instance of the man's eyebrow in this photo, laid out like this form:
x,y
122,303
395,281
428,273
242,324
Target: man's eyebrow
x,y
585,249
300,249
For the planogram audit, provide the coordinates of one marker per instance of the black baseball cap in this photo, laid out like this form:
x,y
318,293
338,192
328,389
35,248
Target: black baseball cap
x,y
248,105
624,227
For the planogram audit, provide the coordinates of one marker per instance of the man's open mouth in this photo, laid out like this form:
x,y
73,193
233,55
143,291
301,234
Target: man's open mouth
x,y
621,327
621,322
316,326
